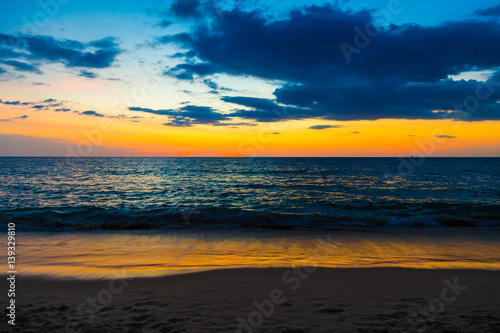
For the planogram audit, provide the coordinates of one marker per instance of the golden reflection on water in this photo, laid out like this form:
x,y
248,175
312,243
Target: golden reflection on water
x,y
100,255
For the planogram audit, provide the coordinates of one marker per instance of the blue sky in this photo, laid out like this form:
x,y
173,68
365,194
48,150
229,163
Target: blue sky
x,y
425,12
243,63
139,40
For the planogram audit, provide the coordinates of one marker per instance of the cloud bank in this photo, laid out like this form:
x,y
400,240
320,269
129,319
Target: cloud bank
x,y
391,71
28,53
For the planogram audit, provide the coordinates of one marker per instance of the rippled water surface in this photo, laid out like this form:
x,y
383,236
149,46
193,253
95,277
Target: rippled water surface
x,y
62,193
74,215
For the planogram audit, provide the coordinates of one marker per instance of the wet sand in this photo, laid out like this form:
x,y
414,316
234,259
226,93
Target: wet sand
x,y
158,253
264,300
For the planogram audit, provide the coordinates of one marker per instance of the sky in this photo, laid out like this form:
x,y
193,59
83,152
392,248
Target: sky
x,y
250,78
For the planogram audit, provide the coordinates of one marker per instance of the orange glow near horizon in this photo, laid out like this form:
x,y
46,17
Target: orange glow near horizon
x,y
385,137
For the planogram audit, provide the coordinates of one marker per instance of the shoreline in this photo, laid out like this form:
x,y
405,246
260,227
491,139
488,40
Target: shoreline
x,y
149,254
300,299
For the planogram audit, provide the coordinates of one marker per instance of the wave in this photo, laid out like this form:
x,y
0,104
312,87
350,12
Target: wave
x,y
94,218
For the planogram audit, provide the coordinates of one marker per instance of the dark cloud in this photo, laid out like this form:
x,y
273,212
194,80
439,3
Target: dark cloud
x,y
22,66
158,112
42,105
265,110
105,43
234,125
491,11
91,113
40,84
24,53
248,42
410,100
10,102
211,84
164,23
189,54
87,74
6,53
402,72
215,88
47,104
187,115
186,8
188,70
446,136
321,127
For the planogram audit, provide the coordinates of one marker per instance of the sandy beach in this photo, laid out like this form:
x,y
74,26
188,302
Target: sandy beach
x,y
303,299
266,166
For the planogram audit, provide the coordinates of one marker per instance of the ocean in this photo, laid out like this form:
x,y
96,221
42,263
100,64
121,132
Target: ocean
x,y
91,217
56,194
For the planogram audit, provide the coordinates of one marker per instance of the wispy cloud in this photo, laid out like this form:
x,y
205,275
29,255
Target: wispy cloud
x,y
321,127
187,115
92,113
446,136
491,11
87,74
11,119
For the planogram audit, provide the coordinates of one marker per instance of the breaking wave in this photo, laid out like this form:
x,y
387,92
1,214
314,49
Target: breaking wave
x,y
94,218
